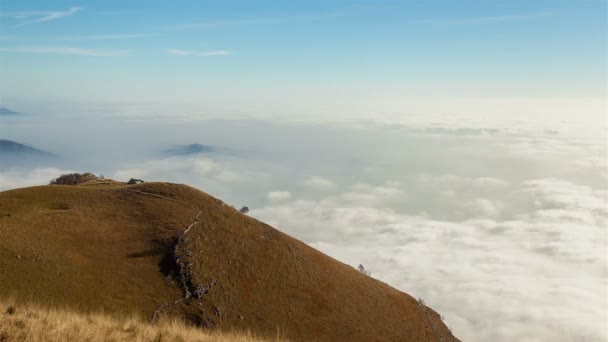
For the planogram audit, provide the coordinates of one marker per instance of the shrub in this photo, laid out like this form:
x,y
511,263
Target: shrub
x,y
244,210
73,178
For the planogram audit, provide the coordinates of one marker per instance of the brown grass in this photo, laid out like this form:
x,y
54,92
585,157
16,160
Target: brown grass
x,y
28,322
105,246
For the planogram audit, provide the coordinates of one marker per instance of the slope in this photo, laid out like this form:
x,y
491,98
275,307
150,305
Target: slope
x,y
160,249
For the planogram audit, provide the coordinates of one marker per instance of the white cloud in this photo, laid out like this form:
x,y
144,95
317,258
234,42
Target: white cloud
x,y
504,234
278,196
320,183
71,51
22,14
197,171
487,19
59,14
486,208
40,16
13,179
230,176
179,52
133,172
256,21
538,275
160,169
105,37
215,53
202,166
454,180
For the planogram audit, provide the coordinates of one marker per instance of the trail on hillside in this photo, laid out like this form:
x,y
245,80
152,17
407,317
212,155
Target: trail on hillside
x,y
163,197
184,278
188,288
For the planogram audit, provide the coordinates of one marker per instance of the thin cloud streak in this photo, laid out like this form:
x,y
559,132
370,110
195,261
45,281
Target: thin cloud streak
x,y
486,19
59,14
23,14
179,52
215,53
259,21
105,37
40,16
70,51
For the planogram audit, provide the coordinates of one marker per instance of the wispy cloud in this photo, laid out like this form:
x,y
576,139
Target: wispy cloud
x,y
486,19
179,52
23,14
40,16
59,14
254,21
71,51
105,37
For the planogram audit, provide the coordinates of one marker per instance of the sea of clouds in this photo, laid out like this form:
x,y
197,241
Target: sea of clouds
x,y
499,224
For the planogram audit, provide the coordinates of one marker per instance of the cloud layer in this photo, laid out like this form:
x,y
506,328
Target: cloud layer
x,y
540,275
501,229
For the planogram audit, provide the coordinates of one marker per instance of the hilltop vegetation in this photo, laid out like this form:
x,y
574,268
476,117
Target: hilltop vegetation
x,y
73,179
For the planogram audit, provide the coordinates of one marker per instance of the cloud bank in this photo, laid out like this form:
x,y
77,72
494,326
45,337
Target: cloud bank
x,y
501,228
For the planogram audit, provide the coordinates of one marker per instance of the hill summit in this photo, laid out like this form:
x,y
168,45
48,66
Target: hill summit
x,y
8,112
161,249
9,147
195,148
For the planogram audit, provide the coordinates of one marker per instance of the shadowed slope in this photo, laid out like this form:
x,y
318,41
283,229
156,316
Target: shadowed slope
x,y
115,247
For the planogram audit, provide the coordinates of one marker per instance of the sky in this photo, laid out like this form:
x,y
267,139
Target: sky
x,y
187,50
456,149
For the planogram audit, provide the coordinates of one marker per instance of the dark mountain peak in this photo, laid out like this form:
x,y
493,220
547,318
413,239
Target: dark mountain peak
x,y
195,148
8,112
8,147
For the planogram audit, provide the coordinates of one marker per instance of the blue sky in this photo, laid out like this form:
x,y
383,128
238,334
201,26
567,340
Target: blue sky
x,y
146,49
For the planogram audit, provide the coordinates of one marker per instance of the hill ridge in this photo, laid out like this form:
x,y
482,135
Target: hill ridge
x,y
171,250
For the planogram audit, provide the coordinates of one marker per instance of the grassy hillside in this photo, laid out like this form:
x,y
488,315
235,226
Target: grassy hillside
x,y
163,250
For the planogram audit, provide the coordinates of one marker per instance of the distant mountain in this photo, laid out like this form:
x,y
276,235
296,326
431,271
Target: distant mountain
x,y
15,149
191,149
8,112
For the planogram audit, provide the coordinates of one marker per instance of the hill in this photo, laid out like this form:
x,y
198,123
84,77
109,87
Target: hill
x,y
190,149
165,250
8,112
11,147
14,150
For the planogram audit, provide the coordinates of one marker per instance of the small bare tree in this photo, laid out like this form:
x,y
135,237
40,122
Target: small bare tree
x,y
364,271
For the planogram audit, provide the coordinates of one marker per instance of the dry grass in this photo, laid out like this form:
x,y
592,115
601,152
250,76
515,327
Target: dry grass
x,y
107,247
19,322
